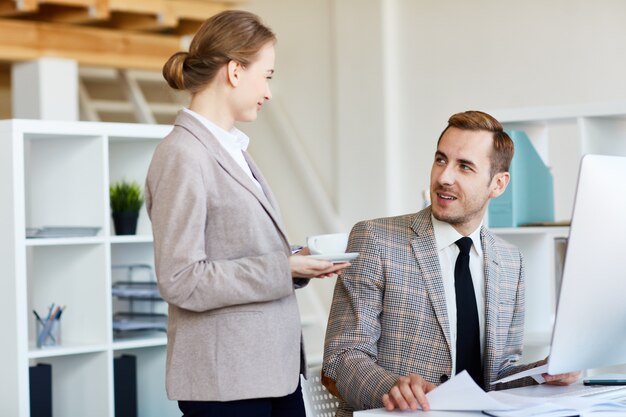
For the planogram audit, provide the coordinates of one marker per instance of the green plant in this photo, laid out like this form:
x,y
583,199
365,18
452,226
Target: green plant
x,y
125,196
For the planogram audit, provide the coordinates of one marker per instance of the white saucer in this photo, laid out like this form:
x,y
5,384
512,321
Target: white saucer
x,y
336,257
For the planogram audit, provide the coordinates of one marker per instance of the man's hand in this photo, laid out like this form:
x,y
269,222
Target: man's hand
x,y
408,392
561,379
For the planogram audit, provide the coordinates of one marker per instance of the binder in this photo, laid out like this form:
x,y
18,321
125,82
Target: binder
x,y
40,381
125,386
529,197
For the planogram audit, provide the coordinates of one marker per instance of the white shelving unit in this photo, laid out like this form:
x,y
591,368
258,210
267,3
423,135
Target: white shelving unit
x,y
58,174
561,135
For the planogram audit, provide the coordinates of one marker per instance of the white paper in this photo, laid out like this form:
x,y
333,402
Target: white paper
x,y
534,372
554,407
461,393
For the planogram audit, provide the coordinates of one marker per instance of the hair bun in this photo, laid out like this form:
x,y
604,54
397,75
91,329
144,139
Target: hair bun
x,y
174,70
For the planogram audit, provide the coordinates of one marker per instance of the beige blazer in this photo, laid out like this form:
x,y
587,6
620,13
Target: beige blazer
x,y
222,265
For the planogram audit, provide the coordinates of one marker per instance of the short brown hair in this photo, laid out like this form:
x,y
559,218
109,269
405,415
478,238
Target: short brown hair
x,y
232,35
503,147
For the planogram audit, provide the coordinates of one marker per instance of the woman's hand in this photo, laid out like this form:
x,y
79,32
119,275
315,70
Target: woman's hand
x,y
305,267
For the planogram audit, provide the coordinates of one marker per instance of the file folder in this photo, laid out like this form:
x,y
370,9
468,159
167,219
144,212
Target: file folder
x,y
125,386
40,381
529,197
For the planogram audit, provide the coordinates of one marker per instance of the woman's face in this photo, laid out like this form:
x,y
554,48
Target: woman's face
x,y
253,87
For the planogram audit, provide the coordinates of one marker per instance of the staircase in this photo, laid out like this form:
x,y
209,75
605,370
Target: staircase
x,y
132,96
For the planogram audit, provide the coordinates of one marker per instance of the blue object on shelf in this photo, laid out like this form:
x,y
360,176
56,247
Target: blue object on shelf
x,y
529,197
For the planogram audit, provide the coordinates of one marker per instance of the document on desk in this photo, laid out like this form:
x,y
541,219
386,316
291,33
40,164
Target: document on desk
x,y
556,407
461,393
534,372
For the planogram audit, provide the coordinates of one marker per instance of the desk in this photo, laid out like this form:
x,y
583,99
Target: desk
x,y
530,391
380,412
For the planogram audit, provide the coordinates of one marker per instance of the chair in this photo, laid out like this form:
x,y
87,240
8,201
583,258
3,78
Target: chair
x,y
318,402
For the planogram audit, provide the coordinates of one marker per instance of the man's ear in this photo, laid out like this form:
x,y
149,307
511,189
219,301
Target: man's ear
x,y
499,183
232,72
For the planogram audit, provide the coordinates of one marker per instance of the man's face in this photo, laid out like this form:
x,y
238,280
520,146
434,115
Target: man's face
x,y
460,179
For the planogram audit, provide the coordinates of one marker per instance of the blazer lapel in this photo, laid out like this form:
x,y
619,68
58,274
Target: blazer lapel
x,y
425,250
204,136
272,209
492,297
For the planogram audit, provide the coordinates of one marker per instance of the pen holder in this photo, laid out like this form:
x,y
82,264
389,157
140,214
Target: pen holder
x,y
48,333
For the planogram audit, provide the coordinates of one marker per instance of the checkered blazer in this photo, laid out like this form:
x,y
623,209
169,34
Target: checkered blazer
x,y
388,317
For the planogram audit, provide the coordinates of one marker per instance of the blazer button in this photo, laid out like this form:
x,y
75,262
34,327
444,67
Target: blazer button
x,y
443,378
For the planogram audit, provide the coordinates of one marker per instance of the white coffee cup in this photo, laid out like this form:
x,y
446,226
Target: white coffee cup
x,y
327,244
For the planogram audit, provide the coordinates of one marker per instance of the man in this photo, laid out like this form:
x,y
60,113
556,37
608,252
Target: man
x,y
422,302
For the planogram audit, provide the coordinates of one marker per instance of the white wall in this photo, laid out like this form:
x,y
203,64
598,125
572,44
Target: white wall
x,y
489,54
369,85
330,88
303,100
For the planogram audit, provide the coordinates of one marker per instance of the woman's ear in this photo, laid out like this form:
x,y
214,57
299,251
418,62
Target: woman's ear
x,y
499,183
232,73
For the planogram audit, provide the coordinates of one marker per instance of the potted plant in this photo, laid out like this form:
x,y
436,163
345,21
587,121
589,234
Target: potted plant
x,y
126,199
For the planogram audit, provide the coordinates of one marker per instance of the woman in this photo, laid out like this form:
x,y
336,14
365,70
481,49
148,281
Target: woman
x,y
222,258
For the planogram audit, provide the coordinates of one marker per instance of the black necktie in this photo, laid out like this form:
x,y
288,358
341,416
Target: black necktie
x,y
467,331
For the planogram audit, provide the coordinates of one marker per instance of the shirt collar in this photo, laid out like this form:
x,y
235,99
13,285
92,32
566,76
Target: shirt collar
x,y
234,139
446,235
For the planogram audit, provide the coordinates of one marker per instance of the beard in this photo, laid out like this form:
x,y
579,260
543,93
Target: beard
x,y
465,213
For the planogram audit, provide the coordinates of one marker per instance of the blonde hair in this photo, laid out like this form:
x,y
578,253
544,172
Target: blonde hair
x,y
232,35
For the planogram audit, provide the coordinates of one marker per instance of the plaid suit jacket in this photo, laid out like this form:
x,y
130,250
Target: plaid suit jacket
x,y
388,317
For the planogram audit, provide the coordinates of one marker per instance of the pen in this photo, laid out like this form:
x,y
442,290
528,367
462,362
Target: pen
x,y
53,316
50,311
37,317
45,330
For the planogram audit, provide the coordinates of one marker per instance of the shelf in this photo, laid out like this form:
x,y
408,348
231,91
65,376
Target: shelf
x,y
54,193
140,342
65,241
57,175
559,231
561,135
552,113
65,350
81,384
131,239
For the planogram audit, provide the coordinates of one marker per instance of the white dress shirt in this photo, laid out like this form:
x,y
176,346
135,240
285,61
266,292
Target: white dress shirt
x,y
235,142
445,236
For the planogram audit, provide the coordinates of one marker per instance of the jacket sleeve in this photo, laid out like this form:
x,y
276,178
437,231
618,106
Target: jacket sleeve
x,y
513,348
176,199
350,368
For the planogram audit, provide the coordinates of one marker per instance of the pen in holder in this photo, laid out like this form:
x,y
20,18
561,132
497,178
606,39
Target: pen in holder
x,y
48,330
